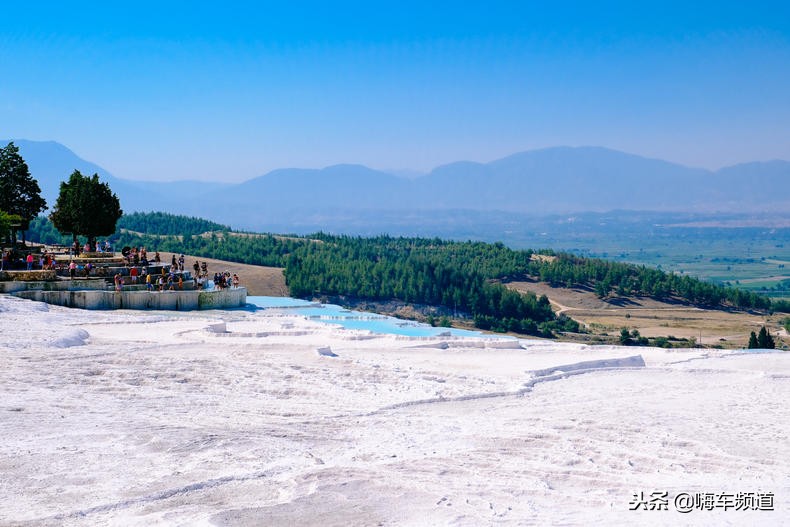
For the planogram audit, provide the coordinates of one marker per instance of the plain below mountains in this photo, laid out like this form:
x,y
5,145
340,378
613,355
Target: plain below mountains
x,y
353,198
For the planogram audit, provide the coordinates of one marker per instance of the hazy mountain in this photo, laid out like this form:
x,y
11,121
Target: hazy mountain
x,y
354,198
563,179
404,172
51,163
339,186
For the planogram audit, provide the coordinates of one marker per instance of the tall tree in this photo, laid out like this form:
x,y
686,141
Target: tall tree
x,y
86,206
753,344
19,192
765,340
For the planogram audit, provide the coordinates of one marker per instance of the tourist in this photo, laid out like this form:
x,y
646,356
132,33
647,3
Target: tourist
x,y
88,268
133,273
86,248
204,268
235,281
29,261
196,267
148,284
72,269
157,258
161,282
118,282
180,282
181,263
5,260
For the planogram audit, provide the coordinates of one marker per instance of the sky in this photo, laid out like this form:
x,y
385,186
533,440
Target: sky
x,y
230,91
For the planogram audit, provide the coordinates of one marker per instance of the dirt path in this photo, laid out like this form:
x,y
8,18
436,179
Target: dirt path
x,y
259,280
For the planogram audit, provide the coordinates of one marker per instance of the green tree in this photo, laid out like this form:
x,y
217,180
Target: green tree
x,y
765,340
86,206
625,337
19,192
753,344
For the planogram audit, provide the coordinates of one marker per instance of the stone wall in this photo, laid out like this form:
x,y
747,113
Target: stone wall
x,y
57,285
26,276
165,300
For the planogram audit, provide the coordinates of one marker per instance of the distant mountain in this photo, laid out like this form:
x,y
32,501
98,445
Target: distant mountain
x,y
354,198
540,182
335,187
564,179
51,163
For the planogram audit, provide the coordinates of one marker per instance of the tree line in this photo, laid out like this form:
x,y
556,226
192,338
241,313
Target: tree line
x,y
162,223
457,276
606,278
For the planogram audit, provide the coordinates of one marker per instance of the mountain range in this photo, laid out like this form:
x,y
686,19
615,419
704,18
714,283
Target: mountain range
x,y
344,198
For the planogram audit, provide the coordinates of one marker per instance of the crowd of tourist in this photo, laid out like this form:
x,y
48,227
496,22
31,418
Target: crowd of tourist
x,y
16,260
137,268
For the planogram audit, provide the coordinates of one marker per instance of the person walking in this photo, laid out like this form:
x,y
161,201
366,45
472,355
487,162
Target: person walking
x,y
30,261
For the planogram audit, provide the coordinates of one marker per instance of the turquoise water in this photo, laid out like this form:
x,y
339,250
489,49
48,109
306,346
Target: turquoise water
x,y
277,301
333,314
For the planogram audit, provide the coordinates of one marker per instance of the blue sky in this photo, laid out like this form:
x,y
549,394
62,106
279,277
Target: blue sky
x,y
231,91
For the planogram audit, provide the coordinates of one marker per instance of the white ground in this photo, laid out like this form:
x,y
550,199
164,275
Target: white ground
x,y
129,418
